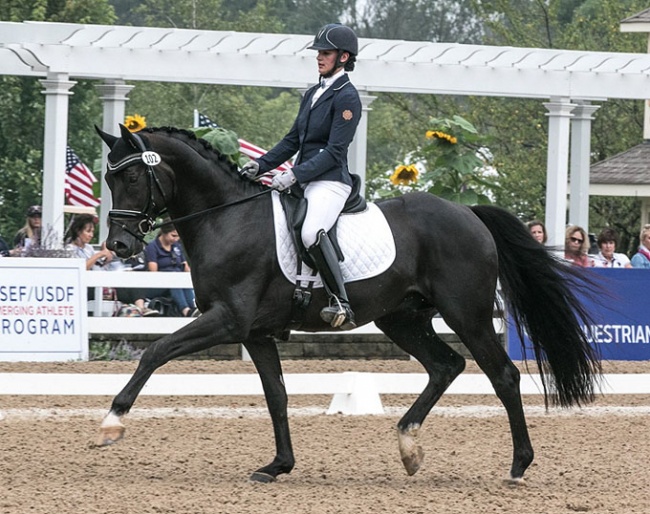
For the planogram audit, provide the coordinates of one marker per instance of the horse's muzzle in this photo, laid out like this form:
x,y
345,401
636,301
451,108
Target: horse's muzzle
x,y
124,247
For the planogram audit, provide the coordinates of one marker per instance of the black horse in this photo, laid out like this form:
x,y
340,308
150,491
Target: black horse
x,y
448,259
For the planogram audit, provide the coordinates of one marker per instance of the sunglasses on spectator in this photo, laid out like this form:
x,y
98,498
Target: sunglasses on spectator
x,y
576,240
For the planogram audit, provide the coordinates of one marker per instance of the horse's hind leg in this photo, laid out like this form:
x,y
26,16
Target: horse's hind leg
x,y
416,336
264,354
492,358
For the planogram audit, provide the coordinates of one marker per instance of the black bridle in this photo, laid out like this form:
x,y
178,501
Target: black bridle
x,y
146,217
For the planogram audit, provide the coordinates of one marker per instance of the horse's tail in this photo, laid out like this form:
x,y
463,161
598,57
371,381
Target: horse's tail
x,y
540,293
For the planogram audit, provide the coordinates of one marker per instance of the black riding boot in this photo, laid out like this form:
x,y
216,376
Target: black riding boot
x,y
338,314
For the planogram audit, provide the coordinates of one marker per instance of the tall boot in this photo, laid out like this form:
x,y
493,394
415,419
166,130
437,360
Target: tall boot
x,y
338,314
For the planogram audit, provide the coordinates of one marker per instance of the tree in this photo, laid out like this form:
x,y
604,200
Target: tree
x,y
519,127
419,20
22,106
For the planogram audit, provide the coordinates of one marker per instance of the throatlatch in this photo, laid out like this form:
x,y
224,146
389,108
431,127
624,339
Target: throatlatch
x,y
338,314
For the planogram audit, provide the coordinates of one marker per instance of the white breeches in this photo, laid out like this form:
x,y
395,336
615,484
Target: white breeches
x,y
325,201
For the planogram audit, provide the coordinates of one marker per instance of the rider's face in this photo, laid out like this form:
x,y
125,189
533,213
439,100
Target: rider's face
x,y
326,60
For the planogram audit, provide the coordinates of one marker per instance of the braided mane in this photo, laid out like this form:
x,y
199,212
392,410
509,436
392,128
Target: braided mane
x,y
204,148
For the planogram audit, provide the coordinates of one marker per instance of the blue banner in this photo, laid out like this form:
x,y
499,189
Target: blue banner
x,y
621,316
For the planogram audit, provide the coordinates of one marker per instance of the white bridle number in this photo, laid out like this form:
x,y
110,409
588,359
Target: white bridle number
x,y
151,158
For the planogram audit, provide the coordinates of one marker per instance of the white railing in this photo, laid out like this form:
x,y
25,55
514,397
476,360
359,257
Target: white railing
x,y
354,393
105,324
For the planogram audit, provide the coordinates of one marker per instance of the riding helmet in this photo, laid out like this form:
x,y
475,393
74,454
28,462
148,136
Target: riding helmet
x,y
335,36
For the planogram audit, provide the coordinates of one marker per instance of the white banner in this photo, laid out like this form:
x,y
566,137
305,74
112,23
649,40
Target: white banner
x,y
42,309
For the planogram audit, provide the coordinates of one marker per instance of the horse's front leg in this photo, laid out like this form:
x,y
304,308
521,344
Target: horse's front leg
x,y
202,333
264,354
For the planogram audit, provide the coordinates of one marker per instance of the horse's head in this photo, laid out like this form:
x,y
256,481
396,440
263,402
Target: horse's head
x,y
137,178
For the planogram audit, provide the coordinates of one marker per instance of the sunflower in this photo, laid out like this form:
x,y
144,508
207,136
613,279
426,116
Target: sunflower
x,y
404,175
135,123
436,134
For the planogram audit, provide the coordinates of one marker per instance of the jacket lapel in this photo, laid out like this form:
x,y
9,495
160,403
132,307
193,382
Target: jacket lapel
x,y
340,82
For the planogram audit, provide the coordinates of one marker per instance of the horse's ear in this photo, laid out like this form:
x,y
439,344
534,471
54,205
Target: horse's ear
x,y
133,139
107,138
126,133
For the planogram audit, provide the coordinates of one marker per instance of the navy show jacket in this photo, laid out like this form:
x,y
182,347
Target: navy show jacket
x,y
320,135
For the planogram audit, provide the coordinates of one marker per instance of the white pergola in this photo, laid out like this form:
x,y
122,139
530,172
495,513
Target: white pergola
x,y
566,81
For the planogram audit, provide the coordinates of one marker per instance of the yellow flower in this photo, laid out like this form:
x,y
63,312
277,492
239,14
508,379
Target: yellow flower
x,y
436,134
135,123
404,175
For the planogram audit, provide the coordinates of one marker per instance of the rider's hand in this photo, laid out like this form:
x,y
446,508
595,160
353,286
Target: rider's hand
x,y
283,180
250,170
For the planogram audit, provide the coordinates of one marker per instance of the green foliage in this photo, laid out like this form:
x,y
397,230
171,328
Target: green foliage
x,y
519,128
223,140
456,161
22,112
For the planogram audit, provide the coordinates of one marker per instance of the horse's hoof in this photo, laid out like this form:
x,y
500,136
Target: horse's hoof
x,y
413,462
263,478
515,482
410,451
110,435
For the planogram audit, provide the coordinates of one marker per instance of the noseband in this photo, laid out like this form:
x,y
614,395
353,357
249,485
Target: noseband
x,y
145,217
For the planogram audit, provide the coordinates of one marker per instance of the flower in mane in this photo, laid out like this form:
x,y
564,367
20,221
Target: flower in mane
x,y
135,123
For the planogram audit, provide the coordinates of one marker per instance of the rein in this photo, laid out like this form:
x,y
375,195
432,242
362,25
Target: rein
x,y
209,209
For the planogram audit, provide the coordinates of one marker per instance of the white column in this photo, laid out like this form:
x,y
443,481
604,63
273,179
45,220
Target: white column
x,y
57,93
580,163
113,94
359,148
559,113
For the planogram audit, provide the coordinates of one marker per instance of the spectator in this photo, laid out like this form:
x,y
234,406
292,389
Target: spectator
x,y
607,257
165,254
642,258
30,234
78,238
4,248
576,245
538,231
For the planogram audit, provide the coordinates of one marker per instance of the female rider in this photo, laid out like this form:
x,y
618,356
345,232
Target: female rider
x,y
324,128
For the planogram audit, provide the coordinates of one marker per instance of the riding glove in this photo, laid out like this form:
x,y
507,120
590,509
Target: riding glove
x,y
250,170
283,180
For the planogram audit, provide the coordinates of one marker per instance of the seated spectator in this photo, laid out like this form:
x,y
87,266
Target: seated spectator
x,y
642,258
607,256
538,231
4,248
576,245
165,254
78,238
30,234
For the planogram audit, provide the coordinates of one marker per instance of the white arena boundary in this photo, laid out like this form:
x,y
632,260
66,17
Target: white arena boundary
x,y
354,393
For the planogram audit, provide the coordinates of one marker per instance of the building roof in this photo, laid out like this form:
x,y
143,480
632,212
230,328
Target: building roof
x,y
624,174
628,167
642,17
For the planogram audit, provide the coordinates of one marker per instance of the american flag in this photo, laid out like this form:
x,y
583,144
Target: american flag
x,y
79,181
245,147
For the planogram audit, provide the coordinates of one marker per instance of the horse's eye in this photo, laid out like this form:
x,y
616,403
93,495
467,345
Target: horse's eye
x,y
132,176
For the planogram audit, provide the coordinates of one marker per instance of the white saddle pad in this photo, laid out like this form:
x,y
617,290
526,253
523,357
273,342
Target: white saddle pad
x,y
365,240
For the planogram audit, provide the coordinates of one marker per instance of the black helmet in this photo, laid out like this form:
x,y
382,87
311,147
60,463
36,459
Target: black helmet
x,y
34,210
335,36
